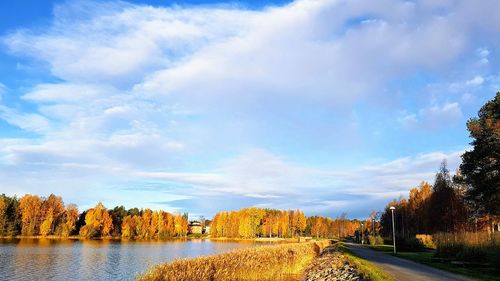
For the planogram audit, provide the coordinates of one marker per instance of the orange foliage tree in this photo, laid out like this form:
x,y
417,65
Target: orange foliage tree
x,y
30,206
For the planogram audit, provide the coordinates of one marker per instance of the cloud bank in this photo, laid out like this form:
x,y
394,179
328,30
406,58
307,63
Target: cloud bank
x,y
317,104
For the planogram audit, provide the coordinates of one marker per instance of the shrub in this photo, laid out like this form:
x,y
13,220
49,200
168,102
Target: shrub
x,y
387,240
448,250
426,240
409,245
375,240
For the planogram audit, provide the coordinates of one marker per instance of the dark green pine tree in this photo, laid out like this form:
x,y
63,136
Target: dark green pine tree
x,y
441,201
481,166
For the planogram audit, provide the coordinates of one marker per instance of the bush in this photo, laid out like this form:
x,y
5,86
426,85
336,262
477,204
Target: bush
x,y
409,245
387,240
473,254
448,250
375,240
426,240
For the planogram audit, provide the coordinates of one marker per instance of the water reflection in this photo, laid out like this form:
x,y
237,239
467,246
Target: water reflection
x,y
49,259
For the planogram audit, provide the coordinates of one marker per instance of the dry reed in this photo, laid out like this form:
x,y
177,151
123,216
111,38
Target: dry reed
x,y
259,263
475,248
468,238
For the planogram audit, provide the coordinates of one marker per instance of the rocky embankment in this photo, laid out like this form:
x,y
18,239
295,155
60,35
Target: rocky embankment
x,y
331,265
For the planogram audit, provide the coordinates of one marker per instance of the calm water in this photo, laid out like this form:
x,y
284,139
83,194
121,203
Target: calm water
x,y
42,259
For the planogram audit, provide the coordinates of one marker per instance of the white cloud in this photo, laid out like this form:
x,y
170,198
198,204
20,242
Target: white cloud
x,y
432,117
408,120
254,174
482,54
259,174
476,81
67,93
445,113
149,93
27,121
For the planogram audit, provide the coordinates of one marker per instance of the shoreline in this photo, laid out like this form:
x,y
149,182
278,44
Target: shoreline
x,y
215,239
108,238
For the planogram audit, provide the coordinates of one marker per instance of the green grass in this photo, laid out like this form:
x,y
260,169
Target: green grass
x,y
382,248
367,269
486,274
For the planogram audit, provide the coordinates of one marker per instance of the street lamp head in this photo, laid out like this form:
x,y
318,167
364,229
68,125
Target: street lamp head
x,y
392,208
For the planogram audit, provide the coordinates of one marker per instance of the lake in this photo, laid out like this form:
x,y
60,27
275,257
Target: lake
x,y
47,259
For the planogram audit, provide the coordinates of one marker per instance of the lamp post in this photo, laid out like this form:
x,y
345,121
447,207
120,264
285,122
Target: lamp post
x,y
362,235
373,227
393,228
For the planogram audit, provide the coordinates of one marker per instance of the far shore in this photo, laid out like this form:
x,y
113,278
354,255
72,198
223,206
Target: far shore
x,y
115,238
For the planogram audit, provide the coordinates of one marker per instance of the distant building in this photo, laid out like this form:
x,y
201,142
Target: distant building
x,y
195,227
207,230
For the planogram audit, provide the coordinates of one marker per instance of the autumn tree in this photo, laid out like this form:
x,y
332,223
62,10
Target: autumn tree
x,y
298,222
128,227
30,206
3,214
46,226
146,224
181,225
244,225
418,204
154,225
51,216
68,223
98,222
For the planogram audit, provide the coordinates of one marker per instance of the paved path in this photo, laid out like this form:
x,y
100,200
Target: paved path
x,y
402,269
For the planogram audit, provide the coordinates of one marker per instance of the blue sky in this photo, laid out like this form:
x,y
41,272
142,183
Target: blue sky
x,y
327,105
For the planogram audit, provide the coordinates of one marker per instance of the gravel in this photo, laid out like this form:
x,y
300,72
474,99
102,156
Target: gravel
x,y
331,265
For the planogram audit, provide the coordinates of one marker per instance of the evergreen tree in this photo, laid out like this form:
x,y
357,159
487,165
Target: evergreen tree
x,y
481,166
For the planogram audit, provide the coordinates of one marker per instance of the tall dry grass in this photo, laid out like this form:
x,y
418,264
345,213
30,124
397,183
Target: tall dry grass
x,y
468,238
469,247
260,263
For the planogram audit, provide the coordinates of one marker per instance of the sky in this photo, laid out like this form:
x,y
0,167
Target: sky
x,y
329,106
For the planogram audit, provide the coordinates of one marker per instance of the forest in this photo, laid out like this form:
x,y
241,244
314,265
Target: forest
x,y
256,222
32,215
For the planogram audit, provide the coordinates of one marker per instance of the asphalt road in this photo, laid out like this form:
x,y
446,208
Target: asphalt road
x,y
401,269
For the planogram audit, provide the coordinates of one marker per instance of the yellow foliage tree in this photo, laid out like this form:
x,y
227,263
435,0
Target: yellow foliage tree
x,y
46,226
30,206
98,222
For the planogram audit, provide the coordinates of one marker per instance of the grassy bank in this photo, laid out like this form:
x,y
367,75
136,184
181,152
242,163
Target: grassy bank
x,y
428,258
367,269
260,263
